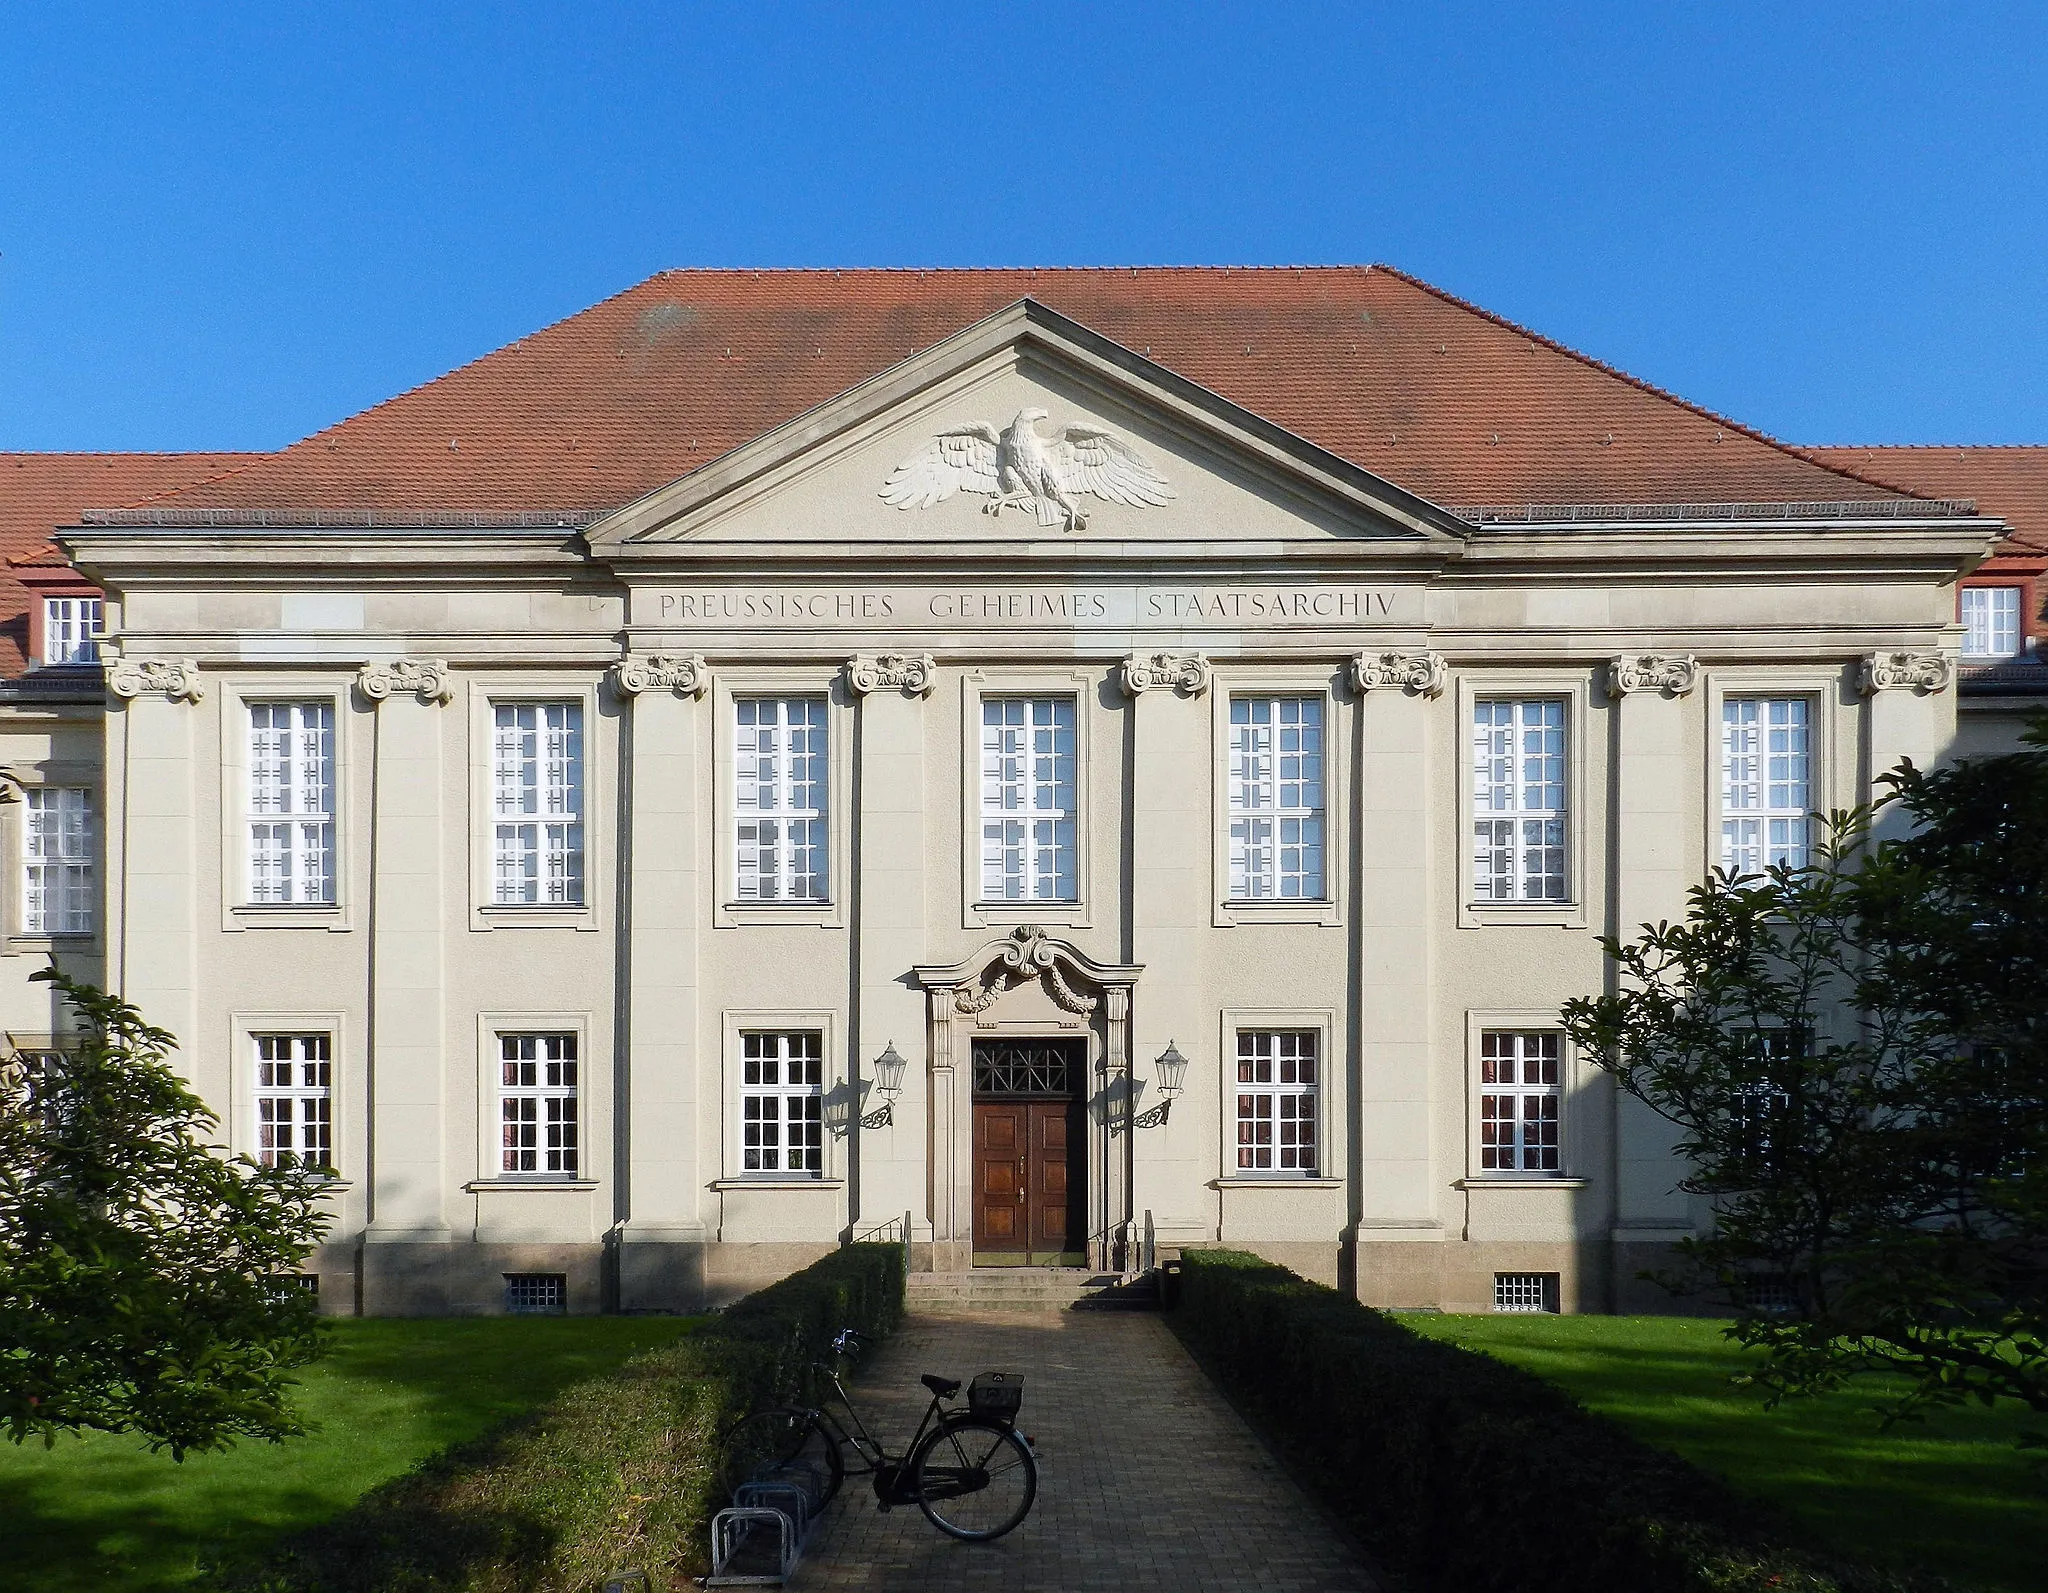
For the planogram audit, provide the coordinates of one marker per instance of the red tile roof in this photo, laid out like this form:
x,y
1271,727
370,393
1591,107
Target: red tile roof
x,y
1432,393
39,492
2011,483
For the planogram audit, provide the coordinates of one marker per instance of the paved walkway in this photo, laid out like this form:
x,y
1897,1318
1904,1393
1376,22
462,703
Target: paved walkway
x,y
1147,1479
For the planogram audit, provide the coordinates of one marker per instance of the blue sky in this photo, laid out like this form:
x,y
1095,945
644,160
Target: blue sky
x,y
226,226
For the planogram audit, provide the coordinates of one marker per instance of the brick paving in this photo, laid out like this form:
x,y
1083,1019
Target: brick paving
x,y
1147,1478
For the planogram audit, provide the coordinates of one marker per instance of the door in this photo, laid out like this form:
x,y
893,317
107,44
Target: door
x,y
1030,1154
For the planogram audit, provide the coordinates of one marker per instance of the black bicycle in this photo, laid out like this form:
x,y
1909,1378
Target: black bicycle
x,y
970,1471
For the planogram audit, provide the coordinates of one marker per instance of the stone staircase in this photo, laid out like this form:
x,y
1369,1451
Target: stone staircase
x,y
1030,1289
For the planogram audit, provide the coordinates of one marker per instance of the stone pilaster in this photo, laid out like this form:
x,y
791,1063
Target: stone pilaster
x,y
1910,712
153,851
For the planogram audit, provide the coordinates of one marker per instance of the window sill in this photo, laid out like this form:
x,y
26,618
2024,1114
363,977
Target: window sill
x,y
772,1181
1541,1181
785,915
18,944
1276,1181
482,1185
1519,915
579,916
1231,915
288,915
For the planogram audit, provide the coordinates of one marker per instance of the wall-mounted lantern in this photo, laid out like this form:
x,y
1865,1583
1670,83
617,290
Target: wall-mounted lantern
x,y
1172,1069
888,1069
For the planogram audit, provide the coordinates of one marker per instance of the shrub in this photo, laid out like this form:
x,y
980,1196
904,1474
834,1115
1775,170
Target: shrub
x,y
615,1473
1462,1472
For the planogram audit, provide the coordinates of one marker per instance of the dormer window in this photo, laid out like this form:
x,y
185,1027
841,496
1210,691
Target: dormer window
x,y
1991,621
72,627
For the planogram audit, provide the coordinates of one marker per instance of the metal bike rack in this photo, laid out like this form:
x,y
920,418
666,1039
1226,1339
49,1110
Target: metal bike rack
x,y
775,1507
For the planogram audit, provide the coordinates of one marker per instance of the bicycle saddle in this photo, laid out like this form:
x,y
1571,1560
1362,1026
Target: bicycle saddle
x,y
944,1387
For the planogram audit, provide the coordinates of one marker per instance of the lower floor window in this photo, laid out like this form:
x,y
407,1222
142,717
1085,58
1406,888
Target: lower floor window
x,y
537,1101
294,1100
1520,1099
537,1293
1277,1082
1525,1292
782,1103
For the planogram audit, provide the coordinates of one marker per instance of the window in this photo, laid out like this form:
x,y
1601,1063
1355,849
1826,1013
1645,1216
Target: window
x,y
1766,782
782,1104
291,802
1276,1101
779,805
537,1113
1518,794
1991,621
57,861
537,1293
1276,799
294,1100
1761,1105
34,1080
537,803
72,627
1519,1101
1027,799
1525,1292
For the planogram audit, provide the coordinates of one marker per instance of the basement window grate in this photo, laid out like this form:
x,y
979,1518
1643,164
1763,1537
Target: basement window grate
x,y
537,1293
1528,1293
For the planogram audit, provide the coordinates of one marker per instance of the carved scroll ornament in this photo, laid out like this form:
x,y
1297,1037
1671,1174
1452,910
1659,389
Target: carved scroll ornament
x,y
1026,956
684,673
1671,673
1423,674
870,672
1187,673
1907,671
169,678
427,678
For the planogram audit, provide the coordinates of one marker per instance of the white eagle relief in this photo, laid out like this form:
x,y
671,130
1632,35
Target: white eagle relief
x,y
1017,468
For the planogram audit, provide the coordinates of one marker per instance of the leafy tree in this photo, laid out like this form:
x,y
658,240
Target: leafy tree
x,y
1856,1054
144,1276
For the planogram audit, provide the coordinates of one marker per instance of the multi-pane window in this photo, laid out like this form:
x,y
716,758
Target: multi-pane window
x,y
782,1103
1766,782
537,804
779,799
1525,1292
294,1100
72,627
57,861
1277,1084
1276,799
1518,797
1761,1105
1027,799
1991,621
1520,1101
291,802
537,1101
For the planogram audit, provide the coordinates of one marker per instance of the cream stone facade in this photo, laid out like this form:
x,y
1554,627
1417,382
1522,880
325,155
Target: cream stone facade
x,y
568,851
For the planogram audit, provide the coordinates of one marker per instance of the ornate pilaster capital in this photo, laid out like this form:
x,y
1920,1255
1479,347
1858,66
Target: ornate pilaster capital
x,y
1674,674
1422,674
169,678
1925,673
1186,673
426,677
870,672
683,673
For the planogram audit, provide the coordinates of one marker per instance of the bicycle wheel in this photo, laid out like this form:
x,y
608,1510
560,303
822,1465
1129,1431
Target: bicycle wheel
x,y
786,1439
975,1478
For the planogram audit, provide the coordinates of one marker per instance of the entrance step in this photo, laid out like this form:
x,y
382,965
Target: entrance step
x,y
1031,1289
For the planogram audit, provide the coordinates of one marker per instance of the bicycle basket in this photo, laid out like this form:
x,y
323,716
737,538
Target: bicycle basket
x,y
997,1394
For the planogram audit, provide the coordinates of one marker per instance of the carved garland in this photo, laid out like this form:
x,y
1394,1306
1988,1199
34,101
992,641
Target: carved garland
x,y
1187,673
1902,671
684,673
1422,674
426,677
169,678
870,672
1671,673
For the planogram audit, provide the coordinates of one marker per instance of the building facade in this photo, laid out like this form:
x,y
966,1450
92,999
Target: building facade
x,y
1021,792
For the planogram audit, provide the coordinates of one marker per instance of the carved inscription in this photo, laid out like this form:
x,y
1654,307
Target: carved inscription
x,y
1234,607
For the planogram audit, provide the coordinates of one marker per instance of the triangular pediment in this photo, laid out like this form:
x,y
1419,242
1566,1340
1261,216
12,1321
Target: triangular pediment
x,y
1023,428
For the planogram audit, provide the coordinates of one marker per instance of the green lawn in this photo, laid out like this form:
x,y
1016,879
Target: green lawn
x,y
1950,1495
103,1513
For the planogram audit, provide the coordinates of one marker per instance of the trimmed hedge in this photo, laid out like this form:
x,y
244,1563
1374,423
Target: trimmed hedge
x,y
1464,1473
615,1473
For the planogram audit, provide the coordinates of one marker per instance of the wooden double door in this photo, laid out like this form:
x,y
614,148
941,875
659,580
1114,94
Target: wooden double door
x,y
1030,1153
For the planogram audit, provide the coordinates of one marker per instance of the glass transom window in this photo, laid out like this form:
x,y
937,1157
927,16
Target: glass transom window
x,y
537,804
1276,799
1277,1084
537,1105
1027,799
1766,783
72,627
1991,621
57,861
782,1104
1518,796
1520,1102
291,802
779,797
294,1100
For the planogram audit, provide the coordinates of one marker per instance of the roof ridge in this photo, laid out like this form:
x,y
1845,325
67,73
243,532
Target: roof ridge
x,y
251,454
1001,270
219,475
1637,382
1954,448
